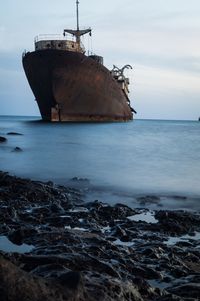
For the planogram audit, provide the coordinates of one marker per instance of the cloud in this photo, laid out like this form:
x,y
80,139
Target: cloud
x,y
158,93
15,94
10,60
159,38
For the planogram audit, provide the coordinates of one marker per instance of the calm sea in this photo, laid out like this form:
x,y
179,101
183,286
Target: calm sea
x,y
125,160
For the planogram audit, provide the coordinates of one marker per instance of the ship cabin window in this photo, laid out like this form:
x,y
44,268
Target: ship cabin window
x,y
59,45
48,45
72,45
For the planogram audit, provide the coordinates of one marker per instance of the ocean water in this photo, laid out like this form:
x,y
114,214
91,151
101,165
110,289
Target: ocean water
x,y
124,160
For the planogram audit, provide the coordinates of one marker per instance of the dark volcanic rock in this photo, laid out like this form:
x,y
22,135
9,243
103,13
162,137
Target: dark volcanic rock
x,y
14,134
16,284
2,139
17,236
178,222
170,297
17,149
71,280
149,199
84,180
93,251
190,290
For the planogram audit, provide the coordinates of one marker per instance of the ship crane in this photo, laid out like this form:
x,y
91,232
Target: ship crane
x,y
123,81
78,32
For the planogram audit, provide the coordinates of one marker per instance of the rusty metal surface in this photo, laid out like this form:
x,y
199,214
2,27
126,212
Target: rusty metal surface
x,y
70,86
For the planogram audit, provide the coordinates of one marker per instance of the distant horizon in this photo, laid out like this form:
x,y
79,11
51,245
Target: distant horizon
x,y
135,118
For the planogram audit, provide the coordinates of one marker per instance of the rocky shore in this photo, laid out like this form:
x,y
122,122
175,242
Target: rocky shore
x,y
55,246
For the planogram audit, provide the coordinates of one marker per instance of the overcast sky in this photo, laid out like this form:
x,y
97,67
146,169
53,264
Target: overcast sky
x,y
159,38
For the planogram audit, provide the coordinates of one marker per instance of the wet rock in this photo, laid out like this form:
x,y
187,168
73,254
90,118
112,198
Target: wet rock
x,y
94,250
182,217
70,279
188,290
145,289
177,222
184,244
83,180
179,197
49,271
109,213
147,273
170,297
105,288
17,149
149,199
14,134
193,266
119,232
56,208
179,272
17,236
2,139
68,286
153,252
16,284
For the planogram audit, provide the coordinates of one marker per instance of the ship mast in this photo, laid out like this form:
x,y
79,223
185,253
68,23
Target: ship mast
x,y
77,33
77,15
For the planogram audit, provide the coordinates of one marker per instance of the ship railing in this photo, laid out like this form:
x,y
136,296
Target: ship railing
x,y
49,37
55,37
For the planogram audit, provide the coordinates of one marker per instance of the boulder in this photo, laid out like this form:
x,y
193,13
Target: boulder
x,y
2,139
14,134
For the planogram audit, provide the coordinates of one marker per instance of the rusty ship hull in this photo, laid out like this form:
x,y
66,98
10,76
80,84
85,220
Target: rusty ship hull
x,y
70,86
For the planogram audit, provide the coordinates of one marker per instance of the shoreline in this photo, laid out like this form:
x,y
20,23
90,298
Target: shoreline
x,y
142,199
68,249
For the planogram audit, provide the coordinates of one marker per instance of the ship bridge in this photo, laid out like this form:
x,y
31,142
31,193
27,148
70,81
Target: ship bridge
x,y
43,42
